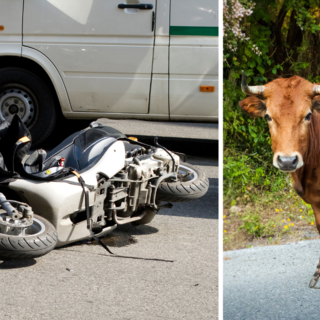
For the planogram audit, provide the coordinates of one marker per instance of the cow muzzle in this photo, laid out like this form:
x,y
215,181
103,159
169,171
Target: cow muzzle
x,y
288,163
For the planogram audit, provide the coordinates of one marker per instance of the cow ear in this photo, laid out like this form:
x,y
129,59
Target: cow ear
x,y
316,103
253,106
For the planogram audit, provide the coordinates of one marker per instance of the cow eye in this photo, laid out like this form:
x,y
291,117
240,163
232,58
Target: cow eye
x,y
308,117
267,117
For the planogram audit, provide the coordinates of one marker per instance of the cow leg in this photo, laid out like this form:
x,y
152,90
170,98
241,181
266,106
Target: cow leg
x,y
316,276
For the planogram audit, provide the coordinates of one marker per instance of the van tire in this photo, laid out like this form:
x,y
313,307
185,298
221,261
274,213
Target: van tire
x,y
38,104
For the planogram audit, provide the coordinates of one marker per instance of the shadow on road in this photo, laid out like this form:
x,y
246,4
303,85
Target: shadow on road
x,y
16,264
137,230
122,236
206,207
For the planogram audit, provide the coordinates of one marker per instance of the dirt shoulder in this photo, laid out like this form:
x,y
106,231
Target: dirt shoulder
x,y
268,219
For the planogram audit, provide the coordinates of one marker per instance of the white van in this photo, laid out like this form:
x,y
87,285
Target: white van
x,y
108,58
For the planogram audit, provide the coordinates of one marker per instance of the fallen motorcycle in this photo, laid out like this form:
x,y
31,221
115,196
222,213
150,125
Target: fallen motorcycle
x,y
93,181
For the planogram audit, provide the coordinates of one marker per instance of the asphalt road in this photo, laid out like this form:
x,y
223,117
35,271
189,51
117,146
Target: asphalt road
x,y
173,129
102,287
271,282
190,138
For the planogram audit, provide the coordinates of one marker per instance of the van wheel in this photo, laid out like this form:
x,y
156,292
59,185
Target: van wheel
x,y
25,94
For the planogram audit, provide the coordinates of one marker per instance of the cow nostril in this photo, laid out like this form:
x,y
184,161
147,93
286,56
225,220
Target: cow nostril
x,y
287,163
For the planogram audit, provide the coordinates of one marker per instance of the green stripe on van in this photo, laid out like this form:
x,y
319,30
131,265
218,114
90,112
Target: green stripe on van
x,y
194,31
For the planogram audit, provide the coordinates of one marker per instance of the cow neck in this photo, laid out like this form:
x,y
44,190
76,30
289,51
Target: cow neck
x,y
309,171
311,158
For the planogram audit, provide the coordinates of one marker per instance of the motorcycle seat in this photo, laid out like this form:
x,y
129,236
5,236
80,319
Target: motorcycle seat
x,y
80,151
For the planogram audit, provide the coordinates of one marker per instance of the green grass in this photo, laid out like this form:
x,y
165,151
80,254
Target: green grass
x,y
266,219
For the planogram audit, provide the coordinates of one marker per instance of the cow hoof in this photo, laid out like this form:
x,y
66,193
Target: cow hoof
x,y
314,281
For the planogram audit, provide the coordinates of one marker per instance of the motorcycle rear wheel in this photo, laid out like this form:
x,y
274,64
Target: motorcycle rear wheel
x,y
40,239
191,185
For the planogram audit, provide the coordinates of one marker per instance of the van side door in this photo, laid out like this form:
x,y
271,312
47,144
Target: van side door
x,y
194,60
102,51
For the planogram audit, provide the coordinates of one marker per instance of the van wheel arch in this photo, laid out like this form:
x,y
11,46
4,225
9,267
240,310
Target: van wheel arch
x,y
33,67
38,78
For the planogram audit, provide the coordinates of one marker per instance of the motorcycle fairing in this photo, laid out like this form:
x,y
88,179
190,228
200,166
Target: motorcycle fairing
x,y
57,200
94,155
85,150
81,151
91,151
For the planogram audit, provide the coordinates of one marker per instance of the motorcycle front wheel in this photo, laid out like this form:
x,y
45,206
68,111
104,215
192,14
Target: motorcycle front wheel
x,y
39,239
192,184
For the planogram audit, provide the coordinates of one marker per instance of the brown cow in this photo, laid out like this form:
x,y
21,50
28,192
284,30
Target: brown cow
x,y
290,106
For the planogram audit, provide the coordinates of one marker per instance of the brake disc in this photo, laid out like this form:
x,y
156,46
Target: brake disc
x,y
13,227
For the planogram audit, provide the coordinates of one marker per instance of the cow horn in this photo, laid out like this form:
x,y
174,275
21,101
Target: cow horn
x,y
316,89
251,90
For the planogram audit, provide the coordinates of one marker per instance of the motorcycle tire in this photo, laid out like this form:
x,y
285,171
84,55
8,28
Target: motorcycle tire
x,y
188,187
42,238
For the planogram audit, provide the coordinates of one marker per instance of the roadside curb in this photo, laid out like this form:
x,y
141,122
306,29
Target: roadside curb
x,y
188,145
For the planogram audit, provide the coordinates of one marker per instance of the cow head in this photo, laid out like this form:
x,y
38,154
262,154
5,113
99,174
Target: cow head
x,y
288,106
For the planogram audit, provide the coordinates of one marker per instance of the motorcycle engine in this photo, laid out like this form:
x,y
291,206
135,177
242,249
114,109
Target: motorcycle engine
x,y
134,189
